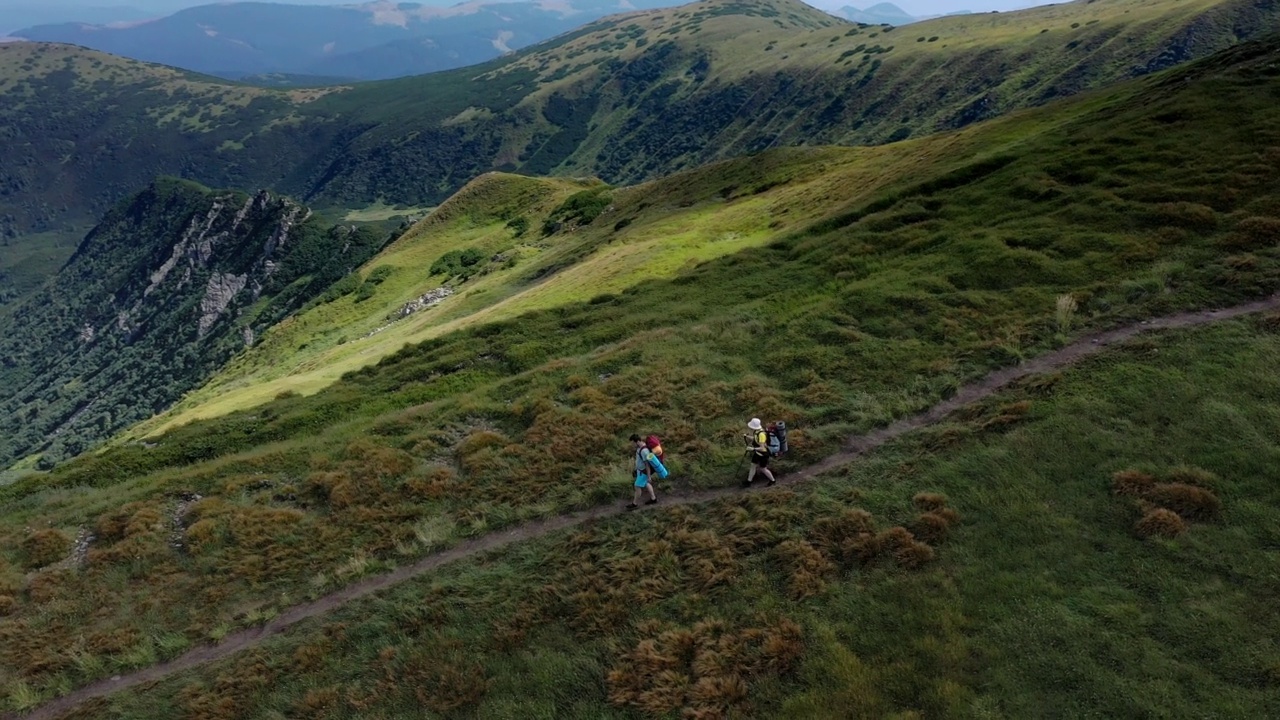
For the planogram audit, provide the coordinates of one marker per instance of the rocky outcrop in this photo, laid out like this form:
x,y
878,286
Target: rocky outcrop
x,y
219,292
154,300
430,299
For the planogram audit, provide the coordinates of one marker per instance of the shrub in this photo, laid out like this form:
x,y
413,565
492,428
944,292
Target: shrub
x,y
8,605
1253,233
519,225
930,527
581,208
913,555
929,502
1189,501
379,274
1134,483
44,547
480,440
1160,522
838,535
1185,214
458,263
44,586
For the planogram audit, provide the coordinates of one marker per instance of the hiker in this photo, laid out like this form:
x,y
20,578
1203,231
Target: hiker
x,y
646,466
758,442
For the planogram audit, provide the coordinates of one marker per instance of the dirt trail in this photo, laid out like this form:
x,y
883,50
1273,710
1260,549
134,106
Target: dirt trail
x,y
854,447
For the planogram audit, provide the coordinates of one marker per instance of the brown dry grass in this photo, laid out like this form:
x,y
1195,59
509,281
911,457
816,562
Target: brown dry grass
x,y
1166,507
806,567
45,547
704,670
1160,522
1134,483
1189,501
929,502
930,527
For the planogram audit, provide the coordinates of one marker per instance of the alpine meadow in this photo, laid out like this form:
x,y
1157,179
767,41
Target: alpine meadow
x,y
317,400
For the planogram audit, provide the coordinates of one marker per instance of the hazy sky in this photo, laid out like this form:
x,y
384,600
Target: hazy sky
x,y
15,14
915,7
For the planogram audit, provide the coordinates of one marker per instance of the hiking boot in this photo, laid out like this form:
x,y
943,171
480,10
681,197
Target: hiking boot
x,y
746,483
632,506
654,501
773,482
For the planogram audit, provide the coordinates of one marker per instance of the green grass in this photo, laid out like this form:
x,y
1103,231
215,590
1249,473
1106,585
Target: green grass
x,y
1040,602
380,211
26,261
1142,200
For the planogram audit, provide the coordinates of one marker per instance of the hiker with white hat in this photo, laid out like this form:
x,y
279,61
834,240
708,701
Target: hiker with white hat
x,y
758,441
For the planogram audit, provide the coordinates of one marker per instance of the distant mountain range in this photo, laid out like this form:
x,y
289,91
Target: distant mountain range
x,y
372,41
878,14
886,14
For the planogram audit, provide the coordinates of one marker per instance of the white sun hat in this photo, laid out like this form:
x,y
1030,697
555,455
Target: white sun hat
x,y
754,424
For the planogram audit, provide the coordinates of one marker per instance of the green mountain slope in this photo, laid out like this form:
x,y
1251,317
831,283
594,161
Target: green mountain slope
x,y
626,99
1042,593
980,249
83,130
171,283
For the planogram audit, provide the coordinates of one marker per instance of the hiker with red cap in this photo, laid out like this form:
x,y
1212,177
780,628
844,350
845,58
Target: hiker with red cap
x,y
758,442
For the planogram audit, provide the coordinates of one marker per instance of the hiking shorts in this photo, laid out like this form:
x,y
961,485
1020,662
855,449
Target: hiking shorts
x,y
641,479
760,460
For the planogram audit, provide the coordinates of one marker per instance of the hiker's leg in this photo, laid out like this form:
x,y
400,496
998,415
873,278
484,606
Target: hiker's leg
x,y
652,494
768,473
751,474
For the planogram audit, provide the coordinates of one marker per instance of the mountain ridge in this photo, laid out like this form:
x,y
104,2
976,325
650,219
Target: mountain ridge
x,y
170,284
368,41
627,99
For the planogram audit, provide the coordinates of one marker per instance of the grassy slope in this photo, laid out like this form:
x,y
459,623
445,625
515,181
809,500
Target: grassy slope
x,y
1042,602
1151,197
675,224
28,260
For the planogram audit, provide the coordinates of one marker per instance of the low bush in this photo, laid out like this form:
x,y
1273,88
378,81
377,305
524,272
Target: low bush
x,y
1189,501
1159,522
45,547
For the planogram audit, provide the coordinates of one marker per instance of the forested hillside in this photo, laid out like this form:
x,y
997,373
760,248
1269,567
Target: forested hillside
x,y
172,282
626,99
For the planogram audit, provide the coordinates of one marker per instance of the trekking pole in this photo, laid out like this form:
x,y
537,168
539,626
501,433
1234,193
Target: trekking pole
x,y
743,464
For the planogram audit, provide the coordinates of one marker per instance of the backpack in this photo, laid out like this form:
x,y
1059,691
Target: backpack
x,y
650,458
655,446
776,433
